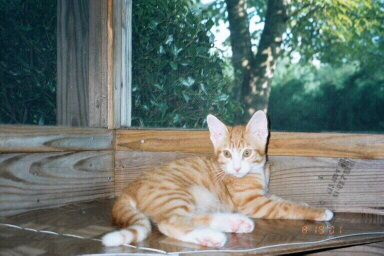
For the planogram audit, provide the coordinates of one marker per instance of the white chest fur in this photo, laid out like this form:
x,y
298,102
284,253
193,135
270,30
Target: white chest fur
x,y
206,201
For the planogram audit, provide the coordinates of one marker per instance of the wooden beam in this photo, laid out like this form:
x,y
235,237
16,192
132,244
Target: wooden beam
x,y
164,140
98,63
40,180
53,139
315,180
94,63
72,62
374,249
344,185
366,146
121,22
111,96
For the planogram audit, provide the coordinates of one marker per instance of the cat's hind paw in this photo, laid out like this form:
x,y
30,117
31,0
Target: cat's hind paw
x,y
117,238
206,237
233,223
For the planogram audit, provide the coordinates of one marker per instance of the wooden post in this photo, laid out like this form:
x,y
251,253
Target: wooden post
x,y
94,63
72,62
98,63
122,55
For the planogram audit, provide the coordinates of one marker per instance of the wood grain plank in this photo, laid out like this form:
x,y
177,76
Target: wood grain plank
x,y
51,139
372,249
40,180
98,63
110,85
122,57
117,61
72,62
367,146
126,64
164,140
307,179
324,182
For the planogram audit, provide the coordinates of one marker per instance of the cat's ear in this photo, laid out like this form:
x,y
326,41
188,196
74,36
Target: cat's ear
x,y
258,126
217,129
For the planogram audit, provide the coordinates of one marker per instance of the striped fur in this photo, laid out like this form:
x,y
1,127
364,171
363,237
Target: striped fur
x,y
198,199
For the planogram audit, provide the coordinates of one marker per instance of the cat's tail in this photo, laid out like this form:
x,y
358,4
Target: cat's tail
x,y
136,226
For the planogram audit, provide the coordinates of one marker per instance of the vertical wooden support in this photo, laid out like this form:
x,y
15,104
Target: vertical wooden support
x,y
94,63
126,93
122,53
98,63
72,62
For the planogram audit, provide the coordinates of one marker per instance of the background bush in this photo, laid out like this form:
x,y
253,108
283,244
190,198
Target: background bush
x,y
28,62
331,98
177,78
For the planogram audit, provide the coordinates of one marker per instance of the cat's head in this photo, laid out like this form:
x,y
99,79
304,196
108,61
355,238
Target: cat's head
x,y
240,149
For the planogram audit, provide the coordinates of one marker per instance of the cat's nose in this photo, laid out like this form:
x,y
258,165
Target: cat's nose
x,y
238,170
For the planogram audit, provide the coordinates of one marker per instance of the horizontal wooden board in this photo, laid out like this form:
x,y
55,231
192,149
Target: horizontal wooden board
x,y
164,140
40,180
53,139
367,146
372,249
327,182
315,180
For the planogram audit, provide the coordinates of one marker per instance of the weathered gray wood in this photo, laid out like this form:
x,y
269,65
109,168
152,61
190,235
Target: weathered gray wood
x,y
306,179
72,62
326,182
372,249
98,63
367,146
122,52
40,180
117,61
48,139
94,63
126,64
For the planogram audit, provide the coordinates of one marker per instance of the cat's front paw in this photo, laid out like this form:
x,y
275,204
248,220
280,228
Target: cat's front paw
x,y
327,215
233,223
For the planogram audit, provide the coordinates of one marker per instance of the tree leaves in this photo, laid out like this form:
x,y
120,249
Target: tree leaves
x,y
177,79
335,31
28,62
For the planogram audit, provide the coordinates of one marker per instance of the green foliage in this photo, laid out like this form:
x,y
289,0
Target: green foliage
x,y
338,31
177,79
327,99
28,61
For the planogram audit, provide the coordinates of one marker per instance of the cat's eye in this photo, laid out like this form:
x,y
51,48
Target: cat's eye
x,y
227,154
247,153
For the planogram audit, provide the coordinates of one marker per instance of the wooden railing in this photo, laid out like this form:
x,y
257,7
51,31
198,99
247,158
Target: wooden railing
x,y
49,166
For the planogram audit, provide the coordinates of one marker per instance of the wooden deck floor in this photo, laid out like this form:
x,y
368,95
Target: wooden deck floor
x,y
76,229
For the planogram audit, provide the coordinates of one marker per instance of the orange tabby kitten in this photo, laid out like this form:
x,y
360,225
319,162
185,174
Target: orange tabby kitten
x,y
199,198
